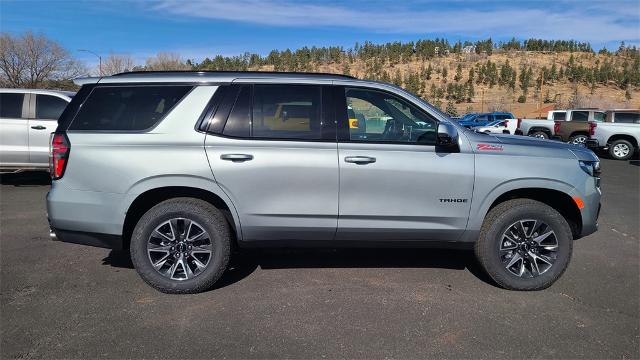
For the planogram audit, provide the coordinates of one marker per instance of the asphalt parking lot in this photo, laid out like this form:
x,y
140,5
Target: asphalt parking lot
x,y
68,301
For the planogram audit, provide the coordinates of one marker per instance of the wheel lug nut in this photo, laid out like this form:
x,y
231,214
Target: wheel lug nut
x,y
189,247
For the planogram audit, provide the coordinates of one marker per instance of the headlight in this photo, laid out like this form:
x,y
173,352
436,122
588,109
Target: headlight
x,y
590,167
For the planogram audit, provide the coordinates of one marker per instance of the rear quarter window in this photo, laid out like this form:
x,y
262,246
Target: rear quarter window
x,y
11,105
127,108
627,117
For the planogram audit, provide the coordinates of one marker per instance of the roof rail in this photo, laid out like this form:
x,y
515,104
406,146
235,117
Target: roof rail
x,y
234,72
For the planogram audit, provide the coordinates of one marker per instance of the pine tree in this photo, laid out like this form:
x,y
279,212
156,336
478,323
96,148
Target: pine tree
x,y
451,109
397,78
458,75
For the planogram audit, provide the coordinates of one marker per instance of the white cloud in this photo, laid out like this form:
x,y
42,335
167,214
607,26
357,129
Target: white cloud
x,y
577,20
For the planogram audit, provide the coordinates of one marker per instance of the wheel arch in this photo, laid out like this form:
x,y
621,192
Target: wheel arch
x,y
556,194
151,193
627,137
539,128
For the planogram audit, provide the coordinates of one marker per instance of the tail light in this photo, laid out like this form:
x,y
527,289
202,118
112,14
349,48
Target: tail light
x,y
556,127
592,128
519,123
58,155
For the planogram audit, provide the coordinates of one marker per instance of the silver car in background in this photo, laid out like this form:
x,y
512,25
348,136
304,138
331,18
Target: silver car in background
x,y
27,119
181,167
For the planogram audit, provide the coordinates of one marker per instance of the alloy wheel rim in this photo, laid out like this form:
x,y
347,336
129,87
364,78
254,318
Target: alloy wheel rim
x,y
580,140
179,249
528,248
621,150
539,136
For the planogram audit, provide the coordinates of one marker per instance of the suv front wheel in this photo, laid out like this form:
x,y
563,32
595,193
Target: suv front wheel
x,y
181,245
524,245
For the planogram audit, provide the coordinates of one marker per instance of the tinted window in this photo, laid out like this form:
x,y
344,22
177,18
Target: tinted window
x,y
598,116
127,108
502,117
378,116
559,115
627,117
11,105
49,107
287,112
480,118
239,121
580,116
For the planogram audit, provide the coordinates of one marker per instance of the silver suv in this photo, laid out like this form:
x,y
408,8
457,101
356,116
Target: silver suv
x,y
27,119
182,167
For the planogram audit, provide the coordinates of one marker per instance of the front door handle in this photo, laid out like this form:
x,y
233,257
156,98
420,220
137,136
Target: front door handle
x,y
236,157
360,160
38,127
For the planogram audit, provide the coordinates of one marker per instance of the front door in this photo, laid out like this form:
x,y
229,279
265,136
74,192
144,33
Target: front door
x,y
394,184
276,158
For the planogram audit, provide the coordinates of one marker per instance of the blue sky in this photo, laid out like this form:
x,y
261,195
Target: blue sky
x,y
198,28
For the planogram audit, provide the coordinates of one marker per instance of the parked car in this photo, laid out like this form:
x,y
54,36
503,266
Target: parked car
x,y
27,119
539,128
495,127
181,167
619,134
575,129
482,119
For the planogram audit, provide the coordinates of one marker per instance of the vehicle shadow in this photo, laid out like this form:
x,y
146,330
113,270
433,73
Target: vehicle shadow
x,y
634,162
30,178
244,263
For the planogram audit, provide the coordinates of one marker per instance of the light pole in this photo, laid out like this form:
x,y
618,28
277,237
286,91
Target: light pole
x,y
99,59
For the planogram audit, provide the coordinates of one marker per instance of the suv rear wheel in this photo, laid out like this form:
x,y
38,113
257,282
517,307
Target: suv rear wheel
x,y
181,245
621,149
524,245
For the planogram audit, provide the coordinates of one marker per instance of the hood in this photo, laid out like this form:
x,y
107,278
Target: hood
x,y
530,144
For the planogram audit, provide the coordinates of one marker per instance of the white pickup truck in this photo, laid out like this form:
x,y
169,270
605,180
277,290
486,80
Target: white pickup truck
x,y
27,119
619,133
540,128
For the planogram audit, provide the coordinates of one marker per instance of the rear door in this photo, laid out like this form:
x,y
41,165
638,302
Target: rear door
x,y
394,184
14,136
47,110
273,151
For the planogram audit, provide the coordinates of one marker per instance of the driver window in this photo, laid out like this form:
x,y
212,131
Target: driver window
x,y
376,116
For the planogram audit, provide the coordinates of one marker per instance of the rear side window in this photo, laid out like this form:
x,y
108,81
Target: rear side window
x,y
627,117
11,105
580,116
49,107
292,112
127,108
559,115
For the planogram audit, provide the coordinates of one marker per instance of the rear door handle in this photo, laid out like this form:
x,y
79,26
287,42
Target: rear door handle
x,y
38,127
236,157
360,160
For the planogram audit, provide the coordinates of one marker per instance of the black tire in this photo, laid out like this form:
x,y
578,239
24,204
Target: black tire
x,y
539,134
498,220
209,218
621,143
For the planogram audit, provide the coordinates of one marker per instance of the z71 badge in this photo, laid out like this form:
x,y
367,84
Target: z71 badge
x,y
489,147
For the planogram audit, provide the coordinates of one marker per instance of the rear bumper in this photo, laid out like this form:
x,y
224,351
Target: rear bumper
x,y
86,238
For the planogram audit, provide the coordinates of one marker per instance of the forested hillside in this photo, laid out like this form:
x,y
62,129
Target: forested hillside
x,y
524,77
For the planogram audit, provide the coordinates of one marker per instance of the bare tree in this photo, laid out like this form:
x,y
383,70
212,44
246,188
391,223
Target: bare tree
x,y
30,60
166,61
115,64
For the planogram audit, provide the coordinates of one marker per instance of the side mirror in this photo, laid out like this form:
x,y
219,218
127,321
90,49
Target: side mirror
x,y
447,136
